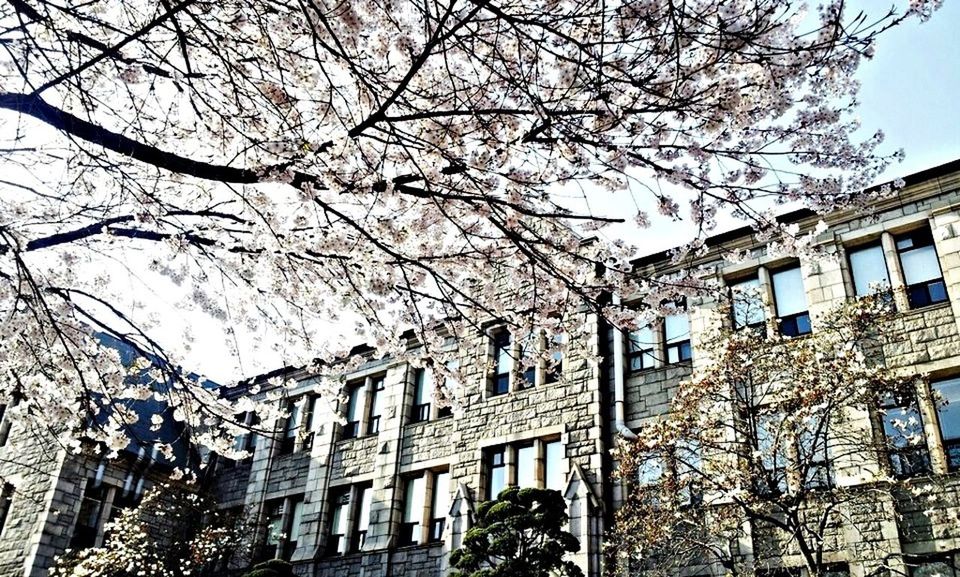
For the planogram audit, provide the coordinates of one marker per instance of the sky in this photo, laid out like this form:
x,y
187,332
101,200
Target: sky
x,y
910,90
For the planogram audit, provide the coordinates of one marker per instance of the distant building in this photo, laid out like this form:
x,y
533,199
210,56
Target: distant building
x,y
52,500
392,491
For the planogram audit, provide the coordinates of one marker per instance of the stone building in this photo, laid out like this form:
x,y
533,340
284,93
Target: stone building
x,y
53,499
391,491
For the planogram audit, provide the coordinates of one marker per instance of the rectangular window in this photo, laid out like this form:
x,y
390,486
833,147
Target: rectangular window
x,y
422,392
748,309
555,361
365,499
503,362
676,329
291,426
903,429
274,523
771,447
292,529
311,420
413,503
87,529
812,455
376,399
921,268
947,397
791,302
868,267
528,347
440,505
526,466
553,463
352,428
496,472
339,505
641,349
449,385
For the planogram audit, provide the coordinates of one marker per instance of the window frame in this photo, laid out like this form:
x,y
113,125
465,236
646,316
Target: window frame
x,y
375,411
500,378
799,321
511,463
355,391
892,401
682,346
920,238
952,443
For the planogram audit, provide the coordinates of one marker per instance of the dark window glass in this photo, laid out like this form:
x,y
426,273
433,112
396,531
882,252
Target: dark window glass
x,y
903,428
947,397
921,268
555,363
337,539
641,349
365,500
291,427
496,472
88,520
422,393
440,505
274,529
748,309
791,301
352,427
503,362
376,399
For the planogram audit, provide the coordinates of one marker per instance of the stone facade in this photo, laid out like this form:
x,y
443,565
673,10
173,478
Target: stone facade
x,y
392,491
891,529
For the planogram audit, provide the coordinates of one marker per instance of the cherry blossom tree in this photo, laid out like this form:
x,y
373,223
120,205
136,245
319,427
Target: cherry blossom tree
x,y
777,434
289,163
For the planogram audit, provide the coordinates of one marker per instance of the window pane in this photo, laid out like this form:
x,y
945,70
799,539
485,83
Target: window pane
x,y
497,473
339,524
504,359
640,339
677,328
903,427
363,516
869,269
424,387
274,519
747,303
554,465
353,403
441,496
948,408
650,471
788,292
413,508
293,421
526,464
920,265
295,519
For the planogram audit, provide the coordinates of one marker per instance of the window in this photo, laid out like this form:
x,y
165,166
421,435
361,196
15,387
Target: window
x,y
526,466
812,454
553,463
921,268
947,397
503,363
274,522
413,502
363,518
791,302
352,428
528,355
291,426
247,440
771,448
676,329
641,349
555,362
376,410
4,425
87,528
339,505
903,429
440,505
291,533
311,421
422,393
868,267
537,463
748,309
447,410
496,472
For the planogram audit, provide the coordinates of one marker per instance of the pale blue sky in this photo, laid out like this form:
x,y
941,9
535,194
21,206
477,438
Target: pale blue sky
x,y
911,89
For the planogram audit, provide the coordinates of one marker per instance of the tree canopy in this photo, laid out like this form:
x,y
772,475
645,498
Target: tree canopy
x,y
519,534
287,164
774,432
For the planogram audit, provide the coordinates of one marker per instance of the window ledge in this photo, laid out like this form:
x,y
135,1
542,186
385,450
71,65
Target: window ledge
x,y
921,310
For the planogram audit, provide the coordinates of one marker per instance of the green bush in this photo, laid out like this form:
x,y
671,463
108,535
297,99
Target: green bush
x,y
279,565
